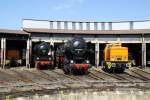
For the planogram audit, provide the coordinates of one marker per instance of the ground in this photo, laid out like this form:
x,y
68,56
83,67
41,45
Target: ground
x,y
21,80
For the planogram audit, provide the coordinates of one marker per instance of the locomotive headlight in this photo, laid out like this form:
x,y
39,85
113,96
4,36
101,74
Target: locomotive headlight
x,y
71,61
37,58
87,61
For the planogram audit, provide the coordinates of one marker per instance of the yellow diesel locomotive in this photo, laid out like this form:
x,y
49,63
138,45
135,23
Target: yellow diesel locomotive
x,y
115,58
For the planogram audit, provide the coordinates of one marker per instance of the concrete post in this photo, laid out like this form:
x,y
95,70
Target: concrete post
x,y
51,25
87,25
97,54
28,54
95,26
131,25
80,25
4,44
1,52
65,25
110,25
103,26
73,25
58,25
143,54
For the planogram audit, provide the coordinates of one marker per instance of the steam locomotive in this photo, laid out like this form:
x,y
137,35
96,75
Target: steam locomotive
x,y
43,56
76,59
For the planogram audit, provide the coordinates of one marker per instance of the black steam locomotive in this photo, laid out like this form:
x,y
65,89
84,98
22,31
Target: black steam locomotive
x,y
43,56
76,56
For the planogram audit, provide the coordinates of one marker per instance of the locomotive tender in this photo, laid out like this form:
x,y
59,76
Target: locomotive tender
x,y
43,56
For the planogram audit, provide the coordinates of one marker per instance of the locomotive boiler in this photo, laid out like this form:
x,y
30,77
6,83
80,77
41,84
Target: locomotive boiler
x,y
75,56
43,56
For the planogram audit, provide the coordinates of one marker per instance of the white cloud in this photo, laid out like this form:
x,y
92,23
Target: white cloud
x,y
67,4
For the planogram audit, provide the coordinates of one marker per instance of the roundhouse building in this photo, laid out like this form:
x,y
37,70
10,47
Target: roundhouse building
x,y
133,34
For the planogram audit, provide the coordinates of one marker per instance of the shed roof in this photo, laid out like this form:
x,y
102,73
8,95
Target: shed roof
x,y
10,31
66,31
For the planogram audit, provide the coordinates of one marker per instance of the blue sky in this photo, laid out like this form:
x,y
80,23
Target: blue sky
x,y
13,11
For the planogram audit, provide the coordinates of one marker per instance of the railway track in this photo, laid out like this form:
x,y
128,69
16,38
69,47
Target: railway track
x,y
43,75
123,77
128,76
84,78
9,81
67,76
111,75
142,74
43,79
21,77
12,81
131,77
72,81
95,76
15,76
8,85
24,80
143,70
103,76
49,81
